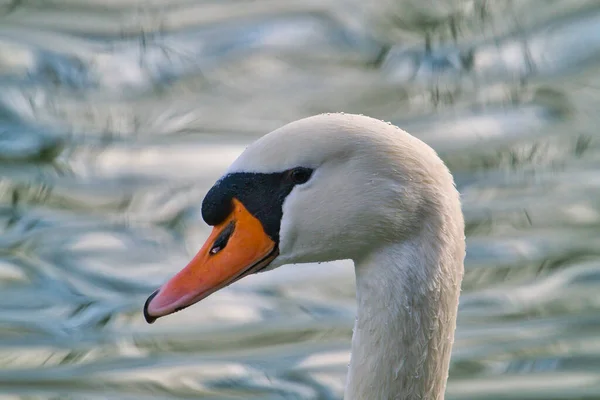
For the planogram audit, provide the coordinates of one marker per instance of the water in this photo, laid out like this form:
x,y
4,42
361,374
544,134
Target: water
x,y
117,116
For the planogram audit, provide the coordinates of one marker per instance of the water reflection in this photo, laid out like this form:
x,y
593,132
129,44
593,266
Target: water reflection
x,y
116,117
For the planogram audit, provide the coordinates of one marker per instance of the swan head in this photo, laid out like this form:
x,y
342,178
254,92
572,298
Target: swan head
x,y
324,188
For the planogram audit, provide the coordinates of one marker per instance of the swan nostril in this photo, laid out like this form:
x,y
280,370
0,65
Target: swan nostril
x,y
222,239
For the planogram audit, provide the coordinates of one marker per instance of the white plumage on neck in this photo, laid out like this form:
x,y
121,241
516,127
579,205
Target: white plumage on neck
x,y
407,295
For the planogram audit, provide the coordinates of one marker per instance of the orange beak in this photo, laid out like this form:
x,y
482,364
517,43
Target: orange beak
x,y
236,248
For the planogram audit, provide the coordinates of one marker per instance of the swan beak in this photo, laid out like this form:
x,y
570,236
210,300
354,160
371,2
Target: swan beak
x,y
237,247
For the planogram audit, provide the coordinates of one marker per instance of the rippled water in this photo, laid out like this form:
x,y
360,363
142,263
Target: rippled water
x,y
117,116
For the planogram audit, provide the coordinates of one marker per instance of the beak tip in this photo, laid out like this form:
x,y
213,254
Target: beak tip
x,y
150,318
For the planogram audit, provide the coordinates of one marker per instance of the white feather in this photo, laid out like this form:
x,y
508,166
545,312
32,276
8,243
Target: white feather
x,y
384,199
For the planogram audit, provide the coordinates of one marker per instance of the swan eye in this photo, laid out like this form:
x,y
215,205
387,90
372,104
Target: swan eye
x,y
300,175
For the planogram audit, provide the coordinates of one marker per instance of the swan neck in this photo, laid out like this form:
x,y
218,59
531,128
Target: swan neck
x,y
407,298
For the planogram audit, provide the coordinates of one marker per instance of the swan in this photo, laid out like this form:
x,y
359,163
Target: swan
x,y
343,186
